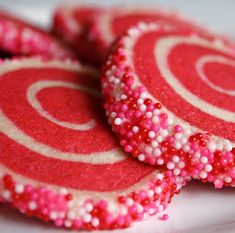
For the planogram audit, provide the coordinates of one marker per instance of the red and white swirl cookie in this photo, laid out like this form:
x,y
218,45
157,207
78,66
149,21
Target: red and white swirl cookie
x,y
71,23
111,24
104,26
58,160
170,97
20,38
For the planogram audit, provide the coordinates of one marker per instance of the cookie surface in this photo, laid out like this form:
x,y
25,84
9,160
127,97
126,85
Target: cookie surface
x,y
20,38
59,161
110,24
170,98
71,21
72,24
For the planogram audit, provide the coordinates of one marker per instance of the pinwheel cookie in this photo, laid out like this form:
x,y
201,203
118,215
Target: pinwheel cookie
x,y
58,159
170,97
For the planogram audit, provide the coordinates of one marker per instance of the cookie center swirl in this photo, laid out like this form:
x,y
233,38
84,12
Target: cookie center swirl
x,y
217,72
53,130
37,87
177,80
55,117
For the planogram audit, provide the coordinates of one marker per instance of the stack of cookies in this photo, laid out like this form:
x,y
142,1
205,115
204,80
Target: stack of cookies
x,y
108,114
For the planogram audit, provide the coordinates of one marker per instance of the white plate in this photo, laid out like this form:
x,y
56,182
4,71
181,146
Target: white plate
x,y
200,208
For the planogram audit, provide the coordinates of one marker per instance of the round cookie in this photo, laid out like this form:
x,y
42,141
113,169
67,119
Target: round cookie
x,y
111,24
58,160
71,23
170,98
19,38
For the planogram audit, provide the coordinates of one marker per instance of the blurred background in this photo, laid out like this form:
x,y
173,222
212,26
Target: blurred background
x,y
218,15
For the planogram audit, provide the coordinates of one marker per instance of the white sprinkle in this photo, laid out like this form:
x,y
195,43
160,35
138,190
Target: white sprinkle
x,y
208,168
164,132
160,161
156,111
159,176
6,195
160,138
117,121
53,215
19,188
178,136
176,171
32,205
181,164
95,222
155,119
197,155
177,145
203,174
184,141
88,207
212,146
186,148
129,201
158,190
135,129
157,152
141,157
151,211
175,159
87,218
170,165
68,223
148,149
151,134
154,144
204,159
116,81
143,107
150,193
143,95
123,97
149,114
140,101
228,146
